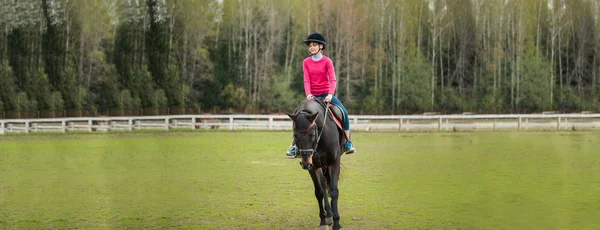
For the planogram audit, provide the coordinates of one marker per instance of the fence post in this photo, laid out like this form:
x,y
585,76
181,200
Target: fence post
x,y
400,124
558,123
89,125
1,128
495,124
519,124
35,127
439,123
270,123
166,123
193,123
230,123
27,127
64,126
130,123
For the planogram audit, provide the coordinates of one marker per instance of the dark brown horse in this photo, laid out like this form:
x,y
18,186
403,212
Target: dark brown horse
x,y
319,142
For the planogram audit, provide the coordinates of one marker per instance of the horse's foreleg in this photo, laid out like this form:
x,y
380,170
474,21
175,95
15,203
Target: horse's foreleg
x,y
334,173
325,185
317,175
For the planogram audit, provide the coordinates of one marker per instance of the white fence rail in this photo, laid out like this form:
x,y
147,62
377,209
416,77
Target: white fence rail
x,y
282,122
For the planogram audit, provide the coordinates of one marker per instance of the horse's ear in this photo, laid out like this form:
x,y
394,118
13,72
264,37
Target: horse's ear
x,y
312,117
292,116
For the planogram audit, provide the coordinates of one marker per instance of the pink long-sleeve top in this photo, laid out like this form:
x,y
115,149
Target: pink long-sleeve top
x,y
319,76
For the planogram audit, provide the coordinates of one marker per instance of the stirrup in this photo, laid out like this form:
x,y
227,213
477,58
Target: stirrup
x,y
350,151
292,152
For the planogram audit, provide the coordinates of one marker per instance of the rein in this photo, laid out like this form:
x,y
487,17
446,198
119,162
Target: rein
x,y
322,126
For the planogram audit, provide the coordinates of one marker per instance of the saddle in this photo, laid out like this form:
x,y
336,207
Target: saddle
x,y
338,115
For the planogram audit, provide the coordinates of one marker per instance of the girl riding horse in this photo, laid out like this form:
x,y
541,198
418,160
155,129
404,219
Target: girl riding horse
x,y
320,81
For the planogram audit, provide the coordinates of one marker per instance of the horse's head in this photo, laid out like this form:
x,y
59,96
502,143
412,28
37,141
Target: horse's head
x,y
306,135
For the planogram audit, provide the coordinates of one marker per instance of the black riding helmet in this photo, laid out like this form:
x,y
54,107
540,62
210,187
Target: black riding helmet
x,y
316,37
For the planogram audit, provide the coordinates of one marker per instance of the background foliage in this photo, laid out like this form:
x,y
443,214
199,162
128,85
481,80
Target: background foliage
x,y
391,57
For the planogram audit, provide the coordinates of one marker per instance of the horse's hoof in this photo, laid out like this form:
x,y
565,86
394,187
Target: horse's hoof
x,y
324,227
329,220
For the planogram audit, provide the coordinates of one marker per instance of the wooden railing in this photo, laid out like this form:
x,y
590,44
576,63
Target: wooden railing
x,y
282,122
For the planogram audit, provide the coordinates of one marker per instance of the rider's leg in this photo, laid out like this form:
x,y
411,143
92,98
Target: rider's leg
x,y
337,102
349,146
292,150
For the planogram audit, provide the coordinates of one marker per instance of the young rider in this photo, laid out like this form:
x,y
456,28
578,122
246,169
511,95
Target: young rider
x,y
320,81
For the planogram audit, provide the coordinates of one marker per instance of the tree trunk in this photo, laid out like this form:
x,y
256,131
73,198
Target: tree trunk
x,y
419,32
433,51
538,30
560,66
171,25
518,56
68,30
82,49
553,34
184,57
513,66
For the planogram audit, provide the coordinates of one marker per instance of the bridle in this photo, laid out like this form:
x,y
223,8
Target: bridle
x,y
313,126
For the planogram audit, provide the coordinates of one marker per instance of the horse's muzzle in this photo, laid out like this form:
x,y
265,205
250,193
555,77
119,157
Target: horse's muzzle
x,y
307,162
306,166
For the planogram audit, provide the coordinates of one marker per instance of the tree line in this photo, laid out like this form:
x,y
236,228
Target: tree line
x,y
391,56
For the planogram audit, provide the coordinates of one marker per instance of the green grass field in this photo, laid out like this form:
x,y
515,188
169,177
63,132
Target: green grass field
x,y
241,180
